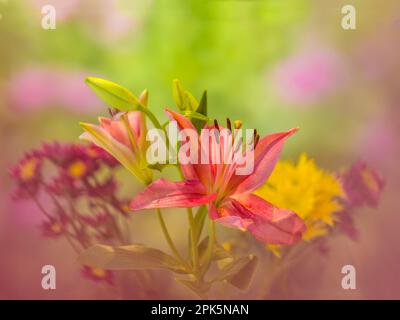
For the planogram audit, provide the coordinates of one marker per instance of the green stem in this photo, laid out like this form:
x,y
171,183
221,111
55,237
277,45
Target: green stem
x,y
151,116
155,122
193,241
210,247
169,239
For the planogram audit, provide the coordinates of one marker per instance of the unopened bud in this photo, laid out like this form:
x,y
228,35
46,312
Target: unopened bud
x,y
144,97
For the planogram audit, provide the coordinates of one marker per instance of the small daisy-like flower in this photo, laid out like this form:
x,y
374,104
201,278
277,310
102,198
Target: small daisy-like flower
x,y
28,169
73,177
98,274
77,169
27,173
307,190
54,227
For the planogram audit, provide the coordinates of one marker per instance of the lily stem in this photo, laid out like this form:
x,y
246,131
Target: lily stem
x,y
193,241
210,247
169,240
151,116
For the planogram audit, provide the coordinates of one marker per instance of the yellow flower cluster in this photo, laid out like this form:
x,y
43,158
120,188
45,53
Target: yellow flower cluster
x,y
307,190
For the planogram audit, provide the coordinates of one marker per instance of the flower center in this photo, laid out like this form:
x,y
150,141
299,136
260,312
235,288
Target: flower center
x,y
27,170
369,180
77,169
98,272
125,208
56,228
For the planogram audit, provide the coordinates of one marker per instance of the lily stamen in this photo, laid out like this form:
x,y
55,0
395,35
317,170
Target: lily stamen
x,y
228,124
256,140
237,124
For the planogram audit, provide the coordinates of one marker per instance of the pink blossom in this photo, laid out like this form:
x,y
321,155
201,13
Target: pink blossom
x,y
36,88
308,76
64,9
103,16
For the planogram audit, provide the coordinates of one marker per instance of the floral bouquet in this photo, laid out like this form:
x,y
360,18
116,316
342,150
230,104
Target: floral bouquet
x,y
230,176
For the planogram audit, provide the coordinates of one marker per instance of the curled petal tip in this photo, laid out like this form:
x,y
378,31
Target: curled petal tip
x,y
294,130
85,136
85,125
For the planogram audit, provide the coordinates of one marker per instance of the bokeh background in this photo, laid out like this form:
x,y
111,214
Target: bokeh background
x,y
274,64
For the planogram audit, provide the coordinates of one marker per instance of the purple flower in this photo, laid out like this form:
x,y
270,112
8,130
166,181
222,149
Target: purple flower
x,y
363,185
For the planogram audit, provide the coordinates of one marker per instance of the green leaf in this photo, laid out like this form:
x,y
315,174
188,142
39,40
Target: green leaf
x,y
242,279
177,93
195,115
114,95
201,288
129,257
238,273
189,102
201,109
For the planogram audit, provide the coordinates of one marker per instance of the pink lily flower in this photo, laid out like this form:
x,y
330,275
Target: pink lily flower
x,y
228,195
124,137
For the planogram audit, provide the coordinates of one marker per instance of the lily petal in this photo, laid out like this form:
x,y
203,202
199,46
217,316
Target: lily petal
x,y
117,130
166,194
227,216
270,224
189,170
182,121
266,155
137,124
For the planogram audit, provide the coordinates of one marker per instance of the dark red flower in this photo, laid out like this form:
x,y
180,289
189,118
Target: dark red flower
x,y
27,174
54,227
